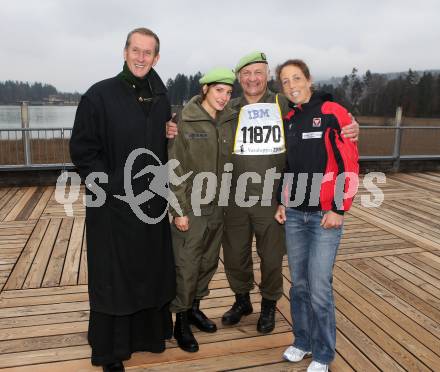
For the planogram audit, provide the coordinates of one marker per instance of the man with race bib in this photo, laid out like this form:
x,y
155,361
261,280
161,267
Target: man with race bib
x,y
258,155
258,151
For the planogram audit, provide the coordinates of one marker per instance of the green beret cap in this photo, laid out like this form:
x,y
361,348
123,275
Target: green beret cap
x,y
254,57
218,75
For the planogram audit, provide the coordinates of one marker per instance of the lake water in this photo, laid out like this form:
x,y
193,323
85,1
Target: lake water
x,y
39,116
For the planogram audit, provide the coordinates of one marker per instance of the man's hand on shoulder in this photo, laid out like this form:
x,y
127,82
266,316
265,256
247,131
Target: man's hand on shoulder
x,y
351,131
171,128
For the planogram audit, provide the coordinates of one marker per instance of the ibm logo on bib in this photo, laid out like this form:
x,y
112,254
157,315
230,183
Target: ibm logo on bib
x,y
258,114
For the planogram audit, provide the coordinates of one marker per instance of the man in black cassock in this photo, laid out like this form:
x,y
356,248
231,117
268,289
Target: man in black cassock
x,y
130,262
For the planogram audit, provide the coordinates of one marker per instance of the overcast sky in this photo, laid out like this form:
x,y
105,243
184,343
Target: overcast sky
x,y
73,43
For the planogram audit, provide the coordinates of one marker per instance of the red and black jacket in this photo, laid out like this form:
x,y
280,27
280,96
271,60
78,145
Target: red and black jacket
x,y
322,167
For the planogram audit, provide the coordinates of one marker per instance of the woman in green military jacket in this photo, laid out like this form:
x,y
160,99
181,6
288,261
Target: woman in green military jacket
x,y
202,148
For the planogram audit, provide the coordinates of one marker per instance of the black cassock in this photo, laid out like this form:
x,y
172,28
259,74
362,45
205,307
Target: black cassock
x,y
130,263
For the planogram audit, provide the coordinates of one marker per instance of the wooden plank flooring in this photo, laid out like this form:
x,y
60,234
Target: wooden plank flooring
x,y
386,290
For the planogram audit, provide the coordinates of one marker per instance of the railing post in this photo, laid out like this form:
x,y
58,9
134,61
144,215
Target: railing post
x,y
26,134
397,139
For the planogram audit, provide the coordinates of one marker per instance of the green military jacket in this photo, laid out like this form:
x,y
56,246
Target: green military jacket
x,y
257,163
203,144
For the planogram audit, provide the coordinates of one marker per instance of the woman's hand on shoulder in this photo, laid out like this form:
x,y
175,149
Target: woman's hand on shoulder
x,y
332,220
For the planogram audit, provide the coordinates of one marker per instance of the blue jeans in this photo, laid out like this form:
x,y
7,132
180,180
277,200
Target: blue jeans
x,y
311,251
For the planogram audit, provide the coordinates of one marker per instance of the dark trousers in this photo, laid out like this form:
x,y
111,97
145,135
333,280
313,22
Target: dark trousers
x,y
115,337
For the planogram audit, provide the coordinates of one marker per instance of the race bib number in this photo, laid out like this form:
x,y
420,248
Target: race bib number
x,y
260,130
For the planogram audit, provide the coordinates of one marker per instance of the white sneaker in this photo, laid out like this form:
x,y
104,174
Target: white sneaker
x,y
293,354
317,367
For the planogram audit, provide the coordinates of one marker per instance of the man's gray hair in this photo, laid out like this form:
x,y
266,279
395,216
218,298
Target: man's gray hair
x,y
146,32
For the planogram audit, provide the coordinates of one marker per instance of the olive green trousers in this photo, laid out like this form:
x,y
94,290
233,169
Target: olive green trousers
x,y
196,254
240,226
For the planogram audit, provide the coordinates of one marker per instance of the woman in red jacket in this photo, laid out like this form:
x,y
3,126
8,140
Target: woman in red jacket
x,y
318,186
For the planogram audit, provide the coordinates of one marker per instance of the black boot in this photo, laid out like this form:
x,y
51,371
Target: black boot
x,y
242,306
183,334
200,320
114,367
266,322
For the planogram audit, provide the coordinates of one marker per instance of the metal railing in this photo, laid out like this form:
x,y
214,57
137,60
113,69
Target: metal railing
x,y
399,143
48,148
35,148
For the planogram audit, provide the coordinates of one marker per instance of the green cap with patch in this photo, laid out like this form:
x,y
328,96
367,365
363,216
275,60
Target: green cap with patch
x,y
218,75
254,57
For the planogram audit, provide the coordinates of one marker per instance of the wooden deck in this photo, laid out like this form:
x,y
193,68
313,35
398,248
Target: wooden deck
x,y
386,281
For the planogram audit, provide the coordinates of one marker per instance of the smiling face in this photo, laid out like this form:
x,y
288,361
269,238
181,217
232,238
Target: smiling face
x,y
216,98
140,54
253,80
296,87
